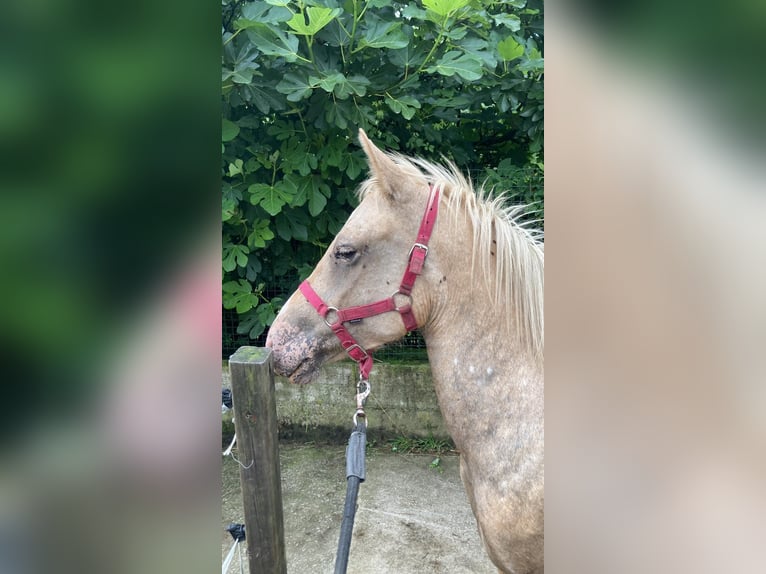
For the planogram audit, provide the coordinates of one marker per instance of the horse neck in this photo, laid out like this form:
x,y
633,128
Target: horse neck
x,y
482,373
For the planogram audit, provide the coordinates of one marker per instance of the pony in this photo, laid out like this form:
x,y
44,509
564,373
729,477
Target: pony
x,y
477,297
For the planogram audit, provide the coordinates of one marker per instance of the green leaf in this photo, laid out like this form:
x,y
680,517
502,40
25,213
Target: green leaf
x,y
317,200
271,198
382,34
239,294
343,87
272,41
298,224
534,62
301,184
510,21
454,62
477,48
260,234
445,7
412,11
312,20
251,325
327,83
295,87
510,49
229,130
228,208
234,256
235,168
405,105
265,99
407,57
262,13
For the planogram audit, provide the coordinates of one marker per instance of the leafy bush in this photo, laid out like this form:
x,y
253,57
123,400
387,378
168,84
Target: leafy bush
x,y
459,78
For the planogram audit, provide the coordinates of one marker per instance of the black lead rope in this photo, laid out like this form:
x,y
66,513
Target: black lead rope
x,y
357,443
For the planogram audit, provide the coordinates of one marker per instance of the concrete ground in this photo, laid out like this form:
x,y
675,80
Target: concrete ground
x,y
411,518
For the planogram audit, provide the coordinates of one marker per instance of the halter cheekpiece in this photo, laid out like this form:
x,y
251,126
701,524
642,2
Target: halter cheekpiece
x,y
400,301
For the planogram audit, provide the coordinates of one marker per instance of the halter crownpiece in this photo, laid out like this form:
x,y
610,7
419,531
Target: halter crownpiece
x,y
400,301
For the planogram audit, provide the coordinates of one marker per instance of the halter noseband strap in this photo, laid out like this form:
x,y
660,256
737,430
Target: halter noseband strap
x,y
417,258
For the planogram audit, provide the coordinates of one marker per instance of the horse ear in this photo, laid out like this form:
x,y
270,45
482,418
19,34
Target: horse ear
x,y
382,167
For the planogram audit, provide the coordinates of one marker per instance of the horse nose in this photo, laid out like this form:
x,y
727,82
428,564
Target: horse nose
x,y
281,339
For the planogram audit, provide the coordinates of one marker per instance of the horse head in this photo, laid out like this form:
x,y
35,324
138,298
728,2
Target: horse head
x,y
365,262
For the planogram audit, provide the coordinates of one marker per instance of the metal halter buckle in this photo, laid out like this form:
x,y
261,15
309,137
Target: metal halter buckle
x,y
357,346
420,246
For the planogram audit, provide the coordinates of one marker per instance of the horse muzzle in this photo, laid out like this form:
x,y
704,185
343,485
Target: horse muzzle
x,y
295,355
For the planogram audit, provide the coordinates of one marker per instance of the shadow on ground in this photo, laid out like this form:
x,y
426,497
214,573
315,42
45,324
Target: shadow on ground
x,y
411,518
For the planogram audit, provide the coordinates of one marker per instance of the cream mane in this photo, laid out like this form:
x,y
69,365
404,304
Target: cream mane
x,y
514,276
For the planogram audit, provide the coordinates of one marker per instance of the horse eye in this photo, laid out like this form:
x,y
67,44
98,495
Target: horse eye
x,y
345,253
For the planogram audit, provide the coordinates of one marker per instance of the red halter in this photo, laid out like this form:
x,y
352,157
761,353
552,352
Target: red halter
x,y
417,258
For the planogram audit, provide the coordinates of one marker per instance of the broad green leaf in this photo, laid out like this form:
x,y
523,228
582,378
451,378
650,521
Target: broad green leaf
x,y
333,154
312,20
298,222
510,21
239,294
228,208
229,130
405,105
302,184
265,99
382,34
356,165
262,13
278,2
445,7
412,11
273,42
454,62
260,234
283,227
253,268
407,57
234,256
534,62
294,86
271,198
327,83
235,168
244,76
478,48
339,115
343,87
251,325
317,202
510,49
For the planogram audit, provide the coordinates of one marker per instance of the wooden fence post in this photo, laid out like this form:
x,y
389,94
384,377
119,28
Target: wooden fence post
x,y
255,421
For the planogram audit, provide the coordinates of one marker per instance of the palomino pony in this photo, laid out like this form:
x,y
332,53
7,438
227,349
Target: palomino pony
x,y
478,301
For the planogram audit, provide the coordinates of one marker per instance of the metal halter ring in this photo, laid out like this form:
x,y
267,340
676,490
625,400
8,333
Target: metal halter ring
x,y
400,307
333,309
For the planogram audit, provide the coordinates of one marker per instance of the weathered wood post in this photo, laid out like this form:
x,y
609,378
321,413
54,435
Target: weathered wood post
x,y
255,421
